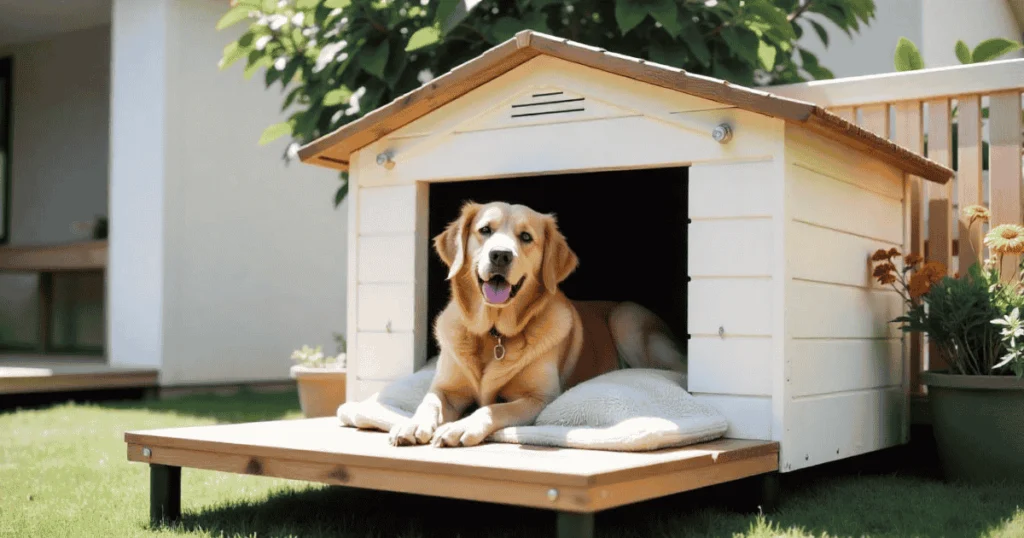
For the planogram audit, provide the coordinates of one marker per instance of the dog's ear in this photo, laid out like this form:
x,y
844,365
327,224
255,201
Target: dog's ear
x,y
451,243
559,260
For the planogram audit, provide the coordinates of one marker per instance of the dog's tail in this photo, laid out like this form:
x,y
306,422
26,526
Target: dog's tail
x,y
644,340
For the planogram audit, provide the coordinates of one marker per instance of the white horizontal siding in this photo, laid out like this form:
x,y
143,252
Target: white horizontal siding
x,y
732,190
729,365
833,366
381,304
390,259
740,306
387,210
749,417
732,248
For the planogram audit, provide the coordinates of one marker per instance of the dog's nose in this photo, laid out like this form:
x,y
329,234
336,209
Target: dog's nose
x,y
501,258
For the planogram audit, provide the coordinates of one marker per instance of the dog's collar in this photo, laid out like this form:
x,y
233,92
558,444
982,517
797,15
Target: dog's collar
x,y
494,332
499,348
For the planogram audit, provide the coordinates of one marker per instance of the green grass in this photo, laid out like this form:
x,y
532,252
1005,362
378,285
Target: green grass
x,y
63,472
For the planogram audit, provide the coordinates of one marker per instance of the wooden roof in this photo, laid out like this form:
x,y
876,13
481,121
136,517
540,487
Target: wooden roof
x,y
332,150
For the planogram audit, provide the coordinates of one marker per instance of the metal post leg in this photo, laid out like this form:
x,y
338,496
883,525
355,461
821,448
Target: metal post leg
x,y
770,491
164,494
573,525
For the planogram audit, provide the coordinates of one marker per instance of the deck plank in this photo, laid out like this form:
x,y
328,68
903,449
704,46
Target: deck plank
x,y
320,450
22,375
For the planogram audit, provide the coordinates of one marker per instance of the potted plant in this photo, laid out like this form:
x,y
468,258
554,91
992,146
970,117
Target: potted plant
x,y
974,324
320,378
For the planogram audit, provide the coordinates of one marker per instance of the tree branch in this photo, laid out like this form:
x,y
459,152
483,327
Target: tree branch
x,y
800,11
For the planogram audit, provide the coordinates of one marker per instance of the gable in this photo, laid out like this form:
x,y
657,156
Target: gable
x,y
549,114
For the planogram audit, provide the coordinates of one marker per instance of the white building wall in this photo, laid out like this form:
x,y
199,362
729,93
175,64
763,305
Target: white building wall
x,y
59,167
250,262
933,25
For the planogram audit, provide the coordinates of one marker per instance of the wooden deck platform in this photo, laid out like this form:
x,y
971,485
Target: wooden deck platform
x,y
575,483
23,374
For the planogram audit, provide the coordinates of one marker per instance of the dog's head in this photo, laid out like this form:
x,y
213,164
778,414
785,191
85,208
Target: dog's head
x,y
502,249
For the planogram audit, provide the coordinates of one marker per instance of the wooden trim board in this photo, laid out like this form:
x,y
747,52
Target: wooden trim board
x,y
320,450
83,256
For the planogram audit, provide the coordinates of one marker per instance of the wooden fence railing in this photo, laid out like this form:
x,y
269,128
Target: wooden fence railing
x,y
965,117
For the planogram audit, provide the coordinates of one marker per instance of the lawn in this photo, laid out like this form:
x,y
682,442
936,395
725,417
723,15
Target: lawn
x,y
63,472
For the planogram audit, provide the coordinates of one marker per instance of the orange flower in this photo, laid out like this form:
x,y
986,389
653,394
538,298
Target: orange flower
x,y
893,252
910,260
883,269
880,256
923,279
887,279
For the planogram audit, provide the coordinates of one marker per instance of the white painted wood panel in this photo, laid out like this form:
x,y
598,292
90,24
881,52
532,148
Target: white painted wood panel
x,y
741,306
629,142
352,388
818,310
384,304
387,259
814,152
831,366
385,355
828,428
387,210
825,255
821,200
732,190
739,366
749,417
730,248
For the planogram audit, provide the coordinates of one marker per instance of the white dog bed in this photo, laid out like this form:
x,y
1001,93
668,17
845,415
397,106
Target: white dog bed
x,y
631,410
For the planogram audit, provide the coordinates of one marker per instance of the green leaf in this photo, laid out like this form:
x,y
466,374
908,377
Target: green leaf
x,y
990,49
269,6
695,42
337,96
673,54
742,43
445,9
337,4
811,65
907,57
375,60
306,4
505,28
263,61
820,30
424,37
963,53
766,53
274,132
773,16
667,14
628,15
232,53
234,15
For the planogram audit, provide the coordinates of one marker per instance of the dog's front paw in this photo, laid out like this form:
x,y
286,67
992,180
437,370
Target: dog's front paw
x,y
465,432
411,432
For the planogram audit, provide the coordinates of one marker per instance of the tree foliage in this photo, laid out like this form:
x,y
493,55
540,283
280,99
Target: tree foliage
x,y
335,60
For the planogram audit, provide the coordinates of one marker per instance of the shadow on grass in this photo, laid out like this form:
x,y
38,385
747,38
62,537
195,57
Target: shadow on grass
x,y
891,493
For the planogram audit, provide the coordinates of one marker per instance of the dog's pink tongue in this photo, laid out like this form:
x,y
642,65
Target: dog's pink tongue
x,y
497,293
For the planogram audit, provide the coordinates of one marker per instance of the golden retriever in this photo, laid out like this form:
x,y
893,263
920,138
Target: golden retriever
x,y
510,341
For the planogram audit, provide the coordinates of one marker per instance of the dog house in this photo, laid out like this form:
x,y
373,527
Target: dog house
x,y
743,219
747,221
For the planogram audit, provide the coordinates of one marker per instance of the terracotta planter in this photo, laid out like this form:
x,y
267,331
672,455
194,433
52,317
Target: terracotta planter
x,y
321,390
978,423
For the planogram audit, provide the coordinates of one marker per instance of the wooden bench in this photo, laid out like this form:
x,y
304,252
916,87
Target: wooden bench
x,y
574,483
85,256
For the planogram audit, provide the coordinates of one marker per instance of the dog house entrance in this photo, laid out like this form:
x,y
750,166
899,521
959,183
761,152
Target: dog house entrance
x,y
628,228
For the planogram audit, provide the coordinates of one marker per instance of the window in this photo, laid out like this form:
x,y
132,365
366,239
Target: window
x,y
5,149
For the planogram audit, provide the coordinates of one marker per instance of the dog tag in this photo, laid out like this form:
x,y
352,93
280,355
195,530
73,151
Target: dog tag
x,y
499,350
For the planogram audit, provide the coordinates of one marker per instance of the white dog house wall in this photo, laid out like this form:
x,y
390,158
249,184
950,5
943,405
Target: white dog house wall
x,y
788,335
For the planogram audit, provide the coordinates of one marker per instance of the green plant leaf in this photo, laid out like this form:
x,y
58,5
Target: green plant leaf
x,y
339,196
445,9
907,57
742,43
963,53
234,15
628,15
505,28
232,53
766,53
424,37
774,16
695,42
667,14
306,4
274,132
337,96
990,49
337,4
269,6
376,59
820,30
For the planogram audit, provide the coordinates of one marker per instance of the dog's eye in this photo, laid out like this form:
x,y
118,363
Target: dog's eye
x,y
486,230
526,237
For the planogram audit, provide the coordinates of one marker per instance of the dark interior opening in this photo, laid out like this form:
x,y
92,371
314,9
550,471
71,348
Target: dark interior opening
x,y
628,227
